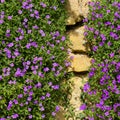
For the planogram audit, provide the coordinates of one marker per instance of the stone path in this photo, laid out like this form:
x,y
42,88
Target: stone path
x,y
80,61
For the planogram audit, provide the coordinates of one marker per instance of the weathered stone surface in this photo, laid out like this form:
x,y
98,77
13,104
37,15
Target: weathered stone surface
x,y
72,8
83,7
79,63
77,40
78,81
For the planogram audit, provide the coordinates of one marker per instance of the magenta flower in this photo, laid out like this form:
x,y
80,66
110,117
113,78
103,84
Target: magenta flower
x,y
14,116
30,116
83,107
9,17
2,1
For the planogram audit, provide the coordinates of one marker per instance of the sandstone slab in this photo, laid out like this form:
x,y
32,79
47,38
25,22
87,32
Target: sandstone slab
x,y
78,41
83,8
75,101
79,63
72,7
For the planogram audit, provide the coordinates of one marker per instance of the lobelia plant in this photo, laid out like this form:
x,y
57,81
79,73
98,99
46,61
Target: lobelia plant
x,y
101,94
32,59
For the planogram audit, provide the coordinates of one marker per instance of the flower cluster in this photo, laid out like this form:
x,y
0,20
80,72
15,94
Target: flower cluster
x,y
102,91
32,58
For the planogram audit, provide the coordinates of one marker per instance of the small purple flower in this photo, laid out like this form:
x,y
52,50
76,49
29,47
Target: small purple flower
x,y
14,116
42,109
95,48
118,78
20,95
30,116
1,21
43,116
108,11
42,33
53,113
29,109
2,1
42,98
57,108
19,11
48,95
63,38
86,87
9,17
10,44
83,107
42,4
0,77
55,87
47,16
109,43
46,69
111,55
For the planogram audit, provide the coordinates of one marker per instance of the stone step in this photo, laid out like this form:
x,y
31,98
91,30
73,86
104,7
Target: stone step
x,y
77,39
79,63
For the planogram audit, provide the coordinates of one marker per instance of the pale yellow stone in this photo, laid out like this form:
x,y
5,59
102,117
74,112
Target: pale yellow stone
x,y
84,9
75,101
80,63
77,39
72,8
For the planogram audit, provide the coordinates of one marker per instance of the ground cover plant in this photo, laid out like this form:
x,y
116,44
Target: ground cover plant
x,y
101,94
32,59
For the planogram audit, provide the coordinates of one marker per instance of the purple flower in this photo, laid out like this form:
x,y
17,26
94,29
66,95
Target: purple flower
x,y
48,95
42,33
42,98
108,11
29,109
2,1
111,55
20,95
9,17
57,108
91,73
43,116
118,27
0,77
30,116
86,87
63,38
19,11
55,87
42,108
114,35
46,69
47,16
107,23
118,78
95,48
15,101
91,118
14,116
49,22
55,64
10,44
83,107
42,4
1,21
106,113
2,118
53,113
109,43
